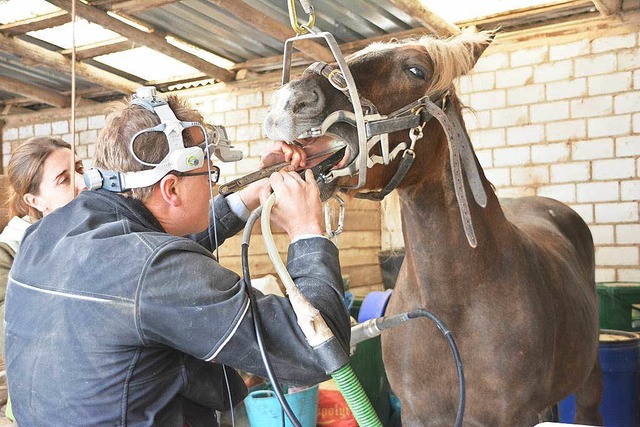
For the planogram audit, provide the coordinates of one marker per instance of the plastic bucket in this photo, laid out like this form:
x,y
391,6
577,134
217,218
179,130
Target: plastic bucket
x,y
264,410
620,364
617,300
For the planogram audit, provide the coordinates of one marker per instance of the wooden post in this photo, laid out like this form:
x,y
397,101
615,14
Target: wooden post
x,y
2,123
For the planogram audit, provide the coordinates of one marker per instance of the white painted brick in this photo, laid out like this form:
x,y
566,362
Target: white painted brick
x,y
565,193
60,127
610,83
257,148
500,177
492,62
605,44
81,124
636,79
25,131
42,129
613,169
96,122
488,100
629,274
630,190
628,146
569,129
248,132
512,116
511,192
568,50
550,153
247,165
511,156
214,118
549,111
81,151
570,172
597,192
530,94
10,134
249,100
628,59
514,77
617,212
477,119
536,55
636,123
566,89
627,233
525,134
591,107
257,115
608,126
88,136
224,103
605,274
553,71
91,151
231,132
592,149
585,211
627,102
600,64
617,255
487,138
602,234
485,157
235,118
530,175
67,137
6,147
477,82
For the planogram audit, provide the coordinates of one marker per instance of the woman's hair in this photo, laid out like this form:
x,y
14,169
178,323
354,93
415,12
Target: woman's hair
x,y
25,172
124,121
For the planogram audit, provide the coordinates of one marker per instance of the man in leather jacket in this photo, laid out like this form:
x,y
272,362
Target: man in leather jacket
x,y
114,318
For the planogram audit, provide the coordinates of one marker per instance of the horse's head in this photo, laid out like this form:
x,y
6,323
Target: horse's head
x,y
390,76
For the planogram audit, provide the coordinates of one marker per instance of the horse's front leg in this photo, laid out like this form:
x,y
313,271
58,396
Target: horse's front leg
x,y
588,398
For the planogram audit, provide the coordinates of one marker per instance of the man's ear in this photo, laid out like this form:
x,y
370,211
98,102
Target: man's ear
x,y
168,188
33,201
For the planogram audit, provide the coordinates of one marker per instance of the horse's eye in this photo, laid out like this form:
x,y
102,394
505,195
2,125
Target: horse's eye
x,y
417,72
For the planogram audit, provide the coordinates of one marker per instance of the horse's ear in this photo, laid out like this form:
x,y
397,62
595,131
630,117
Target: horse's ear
x,y
476,42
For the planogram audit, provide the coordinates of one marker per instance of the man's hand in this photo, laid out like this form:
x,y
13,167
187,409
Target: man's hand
x,y
298,209
278,152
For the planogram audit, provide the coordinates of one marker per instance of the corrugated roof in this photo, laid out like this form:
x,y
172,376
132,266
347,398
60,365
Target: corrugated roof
x,y
245,33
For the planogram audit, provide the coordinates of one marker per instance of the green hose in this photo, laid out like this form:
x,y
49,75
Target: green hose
x,y
357,400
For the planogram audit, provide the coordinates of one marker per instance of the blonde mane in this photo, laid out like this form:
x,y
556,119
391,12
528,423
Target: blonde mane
x,y
452,57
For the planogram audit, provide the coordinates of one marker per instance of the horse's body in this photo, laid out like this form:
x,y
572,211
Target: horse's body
x,y
521,305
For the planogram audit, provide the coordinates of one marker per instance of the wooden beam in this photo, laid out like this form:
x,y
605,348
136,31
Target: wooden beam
x,y
151,40
34,92
9,109
135,6
273,28
34,24
608,7
426,17
102,48
60,62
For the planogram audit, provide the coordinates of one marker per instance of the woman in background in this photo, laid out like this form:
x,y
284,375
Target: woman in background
x,y
40,181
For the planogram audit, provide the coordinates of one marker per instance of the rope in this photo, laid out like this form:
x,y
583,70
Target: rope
x,y
72,170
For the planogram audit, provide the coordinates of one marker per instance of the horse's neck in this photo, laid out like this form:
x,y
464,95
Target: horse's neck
x,y
435,242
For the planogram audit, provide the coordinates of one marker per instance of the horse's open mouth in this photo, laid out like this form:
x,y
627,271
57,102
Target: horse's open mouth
x,y
321,147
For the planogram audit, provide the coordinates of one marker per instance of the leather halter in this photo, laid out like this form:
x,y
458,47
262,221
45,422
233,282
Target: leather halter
x,y
414,116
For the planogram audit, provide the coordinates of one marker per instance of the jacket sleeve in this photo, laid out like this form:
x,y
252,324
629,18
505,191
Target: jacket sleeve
x,y
223,223
314,267
191,303
6,261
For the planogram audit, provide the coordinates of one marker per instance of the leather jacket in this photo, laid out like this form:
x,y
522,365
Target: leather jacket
x,y
112,321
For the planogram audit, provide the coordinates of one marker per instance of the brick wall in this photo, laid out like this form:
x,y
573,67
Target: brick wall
x,y
554,116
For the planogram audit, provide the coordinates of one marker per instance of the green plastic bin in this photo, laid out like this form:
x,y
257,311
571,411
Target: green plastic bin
x,y
618,302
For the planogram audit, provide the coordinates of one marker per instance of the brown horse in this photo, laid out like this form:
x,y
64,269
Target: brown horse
x,y
521,303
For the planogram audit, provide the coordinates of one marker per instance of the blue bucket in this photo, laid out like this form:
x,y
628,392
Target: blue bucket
x,y
264,410
620,365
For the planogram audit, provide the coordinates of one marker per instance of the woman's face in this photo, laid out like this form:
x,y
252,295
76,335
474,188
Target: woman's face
x,y
57,181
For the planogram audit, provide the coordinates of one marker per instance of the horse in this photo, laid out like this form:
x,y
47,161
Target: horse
x,y
512,279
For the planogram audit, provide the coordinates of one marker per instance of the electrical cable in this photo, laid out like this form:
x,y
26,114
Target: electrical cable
x,y
256,318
